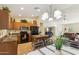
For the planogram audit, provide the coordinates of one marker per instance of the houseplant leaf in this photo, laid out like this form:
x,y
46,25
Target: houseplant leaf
x,y
58,43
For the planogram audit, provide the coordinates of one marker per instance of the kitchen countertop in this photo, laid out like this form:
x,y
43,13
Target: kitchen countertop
x,y
9,38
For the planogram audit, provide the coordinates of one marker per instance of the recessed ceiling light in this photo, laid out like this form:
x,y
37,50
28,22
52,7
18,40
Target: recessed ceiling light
x,y
19,15
37,9
32,15
22,8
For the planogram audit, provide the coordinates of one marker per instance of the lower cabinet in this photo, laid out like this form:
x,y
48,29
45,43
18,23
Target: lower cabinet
x,y
8,48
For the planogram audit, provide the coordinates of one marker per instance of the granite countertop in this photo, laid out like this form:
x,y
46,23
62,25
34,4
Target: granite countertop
x,y
9,38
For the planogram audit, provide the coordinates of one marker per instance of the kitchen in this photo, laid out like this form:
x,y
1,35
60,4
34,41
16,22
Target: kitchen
x,y
15,32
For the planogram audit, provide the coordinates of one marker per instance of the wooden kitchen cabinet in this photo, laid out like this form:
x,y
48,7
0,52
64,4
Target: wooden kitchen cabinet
x,y
18,25
8,48
8,45
4,20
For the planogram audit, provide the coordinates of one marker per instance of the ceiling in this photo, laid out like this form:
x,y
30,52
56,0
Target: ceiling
x,y
29,9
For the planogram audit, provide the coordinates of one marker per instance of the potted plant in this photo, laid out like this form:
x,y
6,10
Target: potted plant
x,y
58,44
24,21
6,9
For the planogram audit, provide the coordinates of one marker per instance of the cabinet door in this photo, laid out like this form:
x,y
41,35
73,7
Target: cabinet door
x,y
8,48
4,20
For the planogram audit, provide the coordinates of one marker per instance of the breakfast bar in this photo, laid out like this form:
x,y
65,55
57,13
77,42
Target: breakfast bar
x,y
39,37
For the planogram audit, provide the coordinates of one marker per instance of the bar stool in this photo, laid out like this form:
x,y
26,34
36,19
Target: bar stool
x,y
38,44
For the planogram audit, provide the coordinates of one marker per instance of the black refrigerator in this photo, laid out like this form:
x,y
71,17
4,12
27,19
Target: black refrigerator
x,y
34,30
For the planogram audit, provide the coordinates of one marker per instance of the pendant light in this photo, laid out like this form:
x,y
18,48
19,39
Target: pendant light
x,y
50,13
57,14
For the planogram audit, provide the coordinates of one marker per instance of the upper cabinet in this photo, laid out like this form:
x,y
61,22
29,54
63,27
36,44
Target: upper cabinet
x,y
4,20
36,21
18,25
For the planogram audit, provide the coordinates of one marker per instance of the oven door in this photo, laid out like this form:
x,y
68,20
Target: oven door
x,y
23,37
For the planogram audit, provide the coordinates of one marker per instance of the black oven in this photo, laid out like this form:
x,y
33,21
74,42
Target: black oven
x,y
24,37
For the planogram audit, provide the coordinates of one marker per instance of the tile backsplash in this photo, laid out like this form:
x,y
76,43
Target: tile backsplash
x,y
3,33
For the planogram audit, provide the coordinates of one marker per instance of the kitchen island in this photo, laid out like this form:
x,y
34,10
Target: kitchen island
x,y
8,45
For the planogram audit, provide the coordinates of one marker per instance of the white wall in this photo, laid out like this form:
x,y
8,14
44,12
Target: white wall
x,y
72,14
72,18
58,29
72,27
